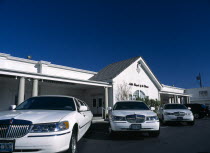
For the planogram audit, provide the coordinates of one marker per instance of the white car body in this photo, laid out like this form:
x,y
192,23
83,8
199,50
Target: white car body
x,y
45,142
175,115
125,125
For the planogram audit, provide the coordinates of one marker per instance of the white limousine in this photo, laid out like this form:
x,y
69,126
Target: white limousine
x,y
176,113
44,124
133,116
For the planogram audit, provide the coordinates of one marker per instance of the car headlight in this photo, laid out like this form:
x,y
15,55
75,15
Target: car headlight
x,y
167,113
152,118
49,127
118,118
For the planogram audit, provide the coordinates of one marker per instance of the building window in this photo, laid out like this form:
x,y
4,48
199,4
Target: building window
x,y
138,94
94,102
203,93
130,97
100,102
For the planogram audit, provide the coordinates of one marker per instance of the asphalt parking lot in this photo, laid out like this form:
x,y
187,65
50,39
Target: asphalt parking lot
x,y
175,138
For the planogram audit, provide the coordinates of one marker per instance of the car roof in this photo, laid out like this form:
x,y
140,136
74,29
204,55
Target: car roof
x,y
129,101
174,104
54,96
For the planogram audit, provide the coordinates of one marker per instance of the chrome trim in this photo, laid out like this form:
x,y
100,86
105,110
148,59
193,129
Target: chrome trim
x,y
14,128
49,135
179,113
135,118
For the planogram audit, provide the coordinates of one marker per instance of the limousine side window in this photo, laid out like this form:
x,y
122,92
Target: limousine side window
x,y
82,103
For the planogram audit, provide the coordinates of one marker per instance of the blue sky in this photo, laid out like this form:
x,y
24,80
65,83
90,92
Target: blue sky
x,y
172,36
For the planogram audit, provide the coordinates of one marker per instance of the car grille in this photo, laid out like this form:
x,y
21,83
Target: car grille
x,y
135,118
14,128
179,113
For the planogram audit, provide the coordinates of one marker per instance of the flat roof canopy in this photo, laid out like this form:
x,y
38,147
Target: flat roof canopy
x,y
31,75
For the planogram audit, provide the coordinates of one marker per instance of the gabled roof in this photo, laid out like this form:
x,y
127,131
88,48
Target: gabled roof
x,y
112,70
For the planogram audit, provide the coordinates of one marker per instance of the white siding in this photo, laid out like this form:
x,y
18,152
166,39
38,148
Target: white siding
x,y
17,65
130,75
197,97
65,73
172,89
20,64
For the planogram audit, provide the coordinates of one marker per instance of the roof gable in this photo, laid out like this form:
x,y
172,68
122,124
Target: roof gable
x,y
112,70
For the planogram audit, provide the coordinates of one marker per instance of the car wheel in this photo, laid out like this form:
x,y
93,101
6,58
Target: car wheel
x,y
201,116
191,123
112,133
163,121
73,143
196,115
154,133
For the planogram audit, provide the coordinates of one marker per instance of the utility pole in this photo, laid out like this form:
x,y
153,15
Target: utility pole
x,y
199,78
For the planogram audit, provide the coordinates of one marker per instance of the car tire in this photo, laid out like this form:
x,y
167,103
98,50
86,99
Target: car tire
x,y
201,116
112,133
154,133
196,115
73,142
191,123
163,121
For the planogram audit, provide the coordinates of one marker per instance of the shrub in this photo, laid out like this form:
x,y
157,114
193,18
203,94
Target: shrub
x,y
151,102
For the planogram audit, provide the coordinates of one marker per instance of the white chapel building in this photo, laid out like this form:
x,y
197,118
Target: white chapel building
x,y
21,79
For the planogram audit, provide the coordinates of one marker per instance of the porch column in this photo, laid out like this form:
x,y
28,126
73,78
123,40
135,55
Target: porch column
x,y
179,100
188,100
169,100
175,100
21,91
106,102
35,88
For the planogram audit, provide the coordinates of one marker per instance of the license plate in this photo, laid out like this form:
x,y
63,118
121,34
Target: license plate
x,y
179,118
135,126
7,146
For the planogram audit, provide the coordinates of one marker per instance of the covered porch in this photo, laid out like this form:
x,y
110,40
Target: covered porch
x,y
16,86
170,98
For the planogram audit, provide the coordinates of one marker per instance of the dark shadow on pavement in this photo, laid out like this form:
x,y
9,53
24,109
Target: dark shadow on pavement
x,y
100,131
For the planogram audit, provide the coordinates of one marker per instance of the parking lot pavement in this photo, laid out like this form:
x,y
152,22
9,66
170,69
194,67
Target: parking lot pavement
x,y
175,138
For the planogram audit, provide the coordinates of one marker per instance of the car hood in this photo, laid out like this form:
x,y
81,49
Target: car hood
x,y
35,116
130,112
177,110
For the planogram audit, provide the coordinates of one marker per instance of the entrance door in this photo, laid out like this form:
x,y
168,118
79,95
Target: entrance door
x,y
97,105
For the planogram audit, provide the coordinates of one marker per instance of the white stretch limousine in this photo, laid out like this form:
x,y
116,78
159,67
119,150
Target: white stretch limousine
x,y
133,116
44,124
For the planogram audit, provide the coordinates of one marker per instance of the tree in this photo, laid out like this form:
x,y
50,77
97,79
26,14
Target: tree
x,y
123,91
151,102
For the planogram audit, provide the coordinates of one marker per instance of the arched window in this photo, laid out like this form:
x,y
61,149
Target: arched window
x,y
138,94
142,94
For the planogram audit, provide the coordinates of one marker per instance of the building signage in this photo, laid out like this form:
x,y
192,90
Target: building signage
x,y
138,85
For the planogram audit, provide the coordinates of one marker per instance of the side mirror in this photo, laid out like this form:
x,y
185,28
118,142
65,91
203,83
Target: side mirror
x,y
12,107
83,108
189,108
109,108
152,108
161,108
